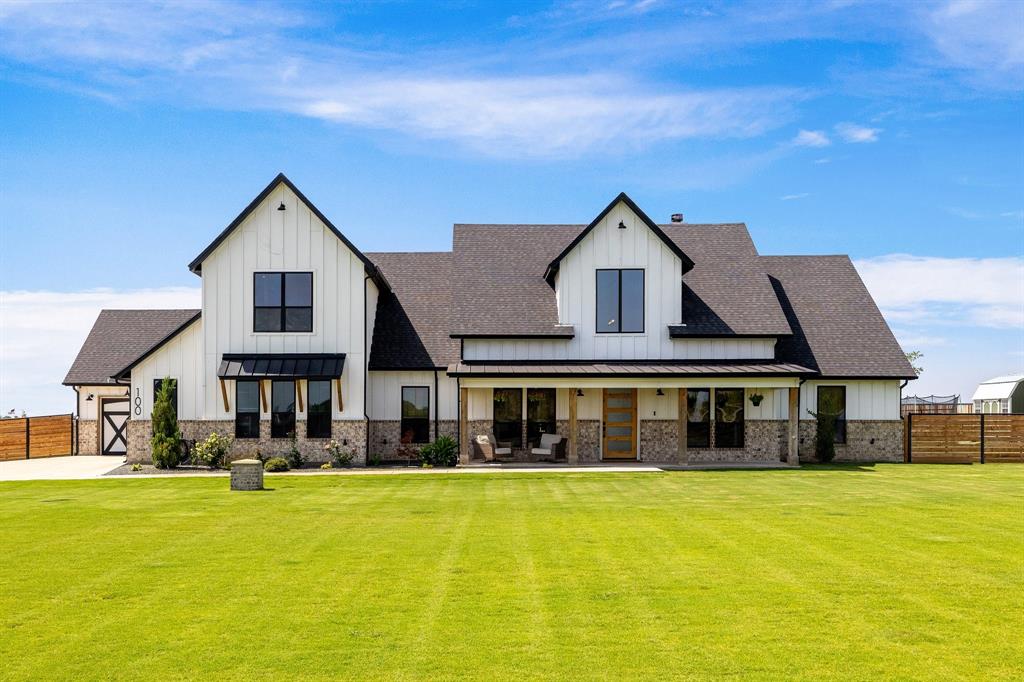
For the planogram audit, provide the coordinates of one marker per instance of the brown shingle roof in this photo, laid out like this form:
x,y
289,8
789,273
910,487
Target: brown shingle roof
x,y
411,330
118,338
837,328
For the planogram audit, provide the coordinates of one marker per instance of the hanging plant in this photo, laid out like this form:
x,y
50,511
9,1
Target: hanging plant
x,y
756,398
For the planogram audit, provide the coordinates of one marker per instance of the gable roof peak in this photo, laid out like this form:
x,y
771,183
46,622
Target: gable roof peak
x,y
197,263
623,198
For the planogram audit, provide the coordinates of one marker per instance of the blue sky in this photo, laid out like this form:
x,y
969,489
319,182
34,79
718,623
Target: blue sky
x,y
131,134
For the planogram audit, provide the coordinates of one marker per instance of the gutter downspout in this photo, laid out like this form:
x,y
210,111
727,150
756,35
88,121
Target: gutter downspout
x,y
366,367
437,407
78,416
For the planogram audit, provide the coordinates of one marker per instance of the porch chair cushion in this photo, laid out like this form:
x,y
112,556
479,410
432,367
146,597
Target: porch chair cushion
x,y
548,441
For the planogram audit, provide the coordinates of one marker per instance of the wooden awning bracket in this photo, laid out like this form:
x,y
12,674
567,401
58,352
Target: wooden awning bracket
x,y
224,395
341,401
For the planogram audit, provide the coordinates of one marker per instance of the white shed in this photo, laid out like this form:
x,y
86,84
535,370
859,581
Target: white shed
x,y
1001,395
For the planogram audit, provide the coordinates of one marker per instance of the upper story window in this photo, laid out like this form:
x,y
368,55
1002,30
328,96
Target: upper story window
x,y
282,302
620,301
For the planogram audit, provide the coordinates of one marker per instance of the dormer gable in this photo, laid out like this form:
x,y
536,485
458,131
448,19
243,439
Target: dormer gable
x,y
642,219
281,179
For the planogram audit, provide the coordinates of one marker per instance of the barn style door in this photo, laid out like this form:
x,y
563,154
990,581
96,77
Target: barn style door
x,y
115,426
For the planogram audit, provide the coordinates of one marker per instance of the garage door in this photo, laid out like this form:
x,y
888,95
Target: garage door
x,y
115,426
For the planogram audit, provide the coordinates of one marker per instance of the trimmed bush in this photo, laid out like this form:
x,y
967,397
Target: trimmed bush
x,y
212,451
294,457
276,464
166,441
443,452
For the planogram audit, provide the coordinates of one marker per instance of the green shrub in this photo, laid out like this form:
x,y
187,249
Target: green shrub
x,y
212,451
340,457
375,460
166,441
276,464
824,436
443,452
326,465
294,457
136,467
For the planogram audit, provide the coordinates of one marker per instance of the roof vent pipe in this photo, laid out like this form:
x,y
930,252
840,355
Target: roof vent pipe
x,y
677,217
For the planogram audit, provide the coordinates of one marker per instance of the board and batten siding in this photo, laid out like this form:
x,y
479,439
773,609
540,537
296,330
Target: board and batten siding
x,y
88,410
385,397
293,240
865,399
683,349
180,359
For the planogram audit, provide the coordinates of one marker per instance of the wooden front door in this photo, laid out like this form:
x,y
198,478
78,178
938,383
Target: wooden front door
x,y
115,426
619,423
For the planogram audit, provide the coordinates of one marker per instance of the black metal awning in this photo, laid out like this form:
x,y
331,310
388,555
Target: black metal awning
x,y
281,365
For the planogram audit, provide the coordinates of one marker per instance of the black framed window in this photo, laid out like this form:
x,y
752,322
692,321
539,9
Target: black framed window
x,y
698,417
282,302
508,416
282,409
415,414
832,402
620,301
318,414
729,418
157,383
247,409
540,413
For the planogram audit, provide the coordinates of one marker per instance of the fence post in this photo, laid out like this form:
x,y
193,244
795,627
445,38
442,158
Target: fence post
x,y
910,438
982,428
28,438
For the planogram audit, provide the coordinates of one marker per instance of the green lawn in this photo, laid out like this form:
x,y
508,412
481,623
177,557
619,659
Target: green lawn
x,y
893,571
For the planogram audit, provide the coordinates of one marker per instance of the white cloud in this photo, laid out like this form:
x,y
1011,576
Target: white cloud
x,y
811,138
922,290
983,36
794,197
230,56
851,132
41,332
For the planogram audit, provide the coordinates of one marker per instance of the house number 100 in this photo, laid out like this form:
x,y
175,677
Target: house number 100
x,y
138,402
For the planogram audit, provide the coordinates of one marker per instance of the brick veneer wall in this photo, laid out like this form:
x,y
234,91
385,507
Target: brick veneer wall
x,y
351,434
88,437
390,430
887,435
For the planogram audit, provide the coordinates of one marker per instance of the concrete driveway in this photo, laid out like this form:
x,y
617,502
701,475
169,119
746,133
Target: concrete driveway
x,y
58,468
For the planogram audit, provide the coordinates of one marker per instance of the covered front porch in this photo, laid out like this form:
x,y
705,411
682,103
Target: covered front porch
x,y
664,414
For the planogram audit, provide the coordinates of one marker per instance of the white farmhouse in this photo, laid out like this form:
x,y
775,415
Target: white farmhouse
x,y
620,339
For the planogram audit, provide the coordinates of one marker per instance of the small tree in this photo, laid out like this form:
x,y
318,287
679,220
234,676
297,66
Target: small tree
x,y
166,440
912,357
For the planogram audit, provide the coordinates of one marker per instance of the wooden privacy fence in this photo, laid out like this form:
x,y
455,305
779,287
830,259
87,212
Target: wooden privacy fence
x,y
30,437
965,438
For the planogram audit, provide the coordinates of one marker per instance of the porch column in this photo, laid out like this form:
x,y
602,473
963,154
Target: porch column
x,y
683,457
792,454
572,455
463,426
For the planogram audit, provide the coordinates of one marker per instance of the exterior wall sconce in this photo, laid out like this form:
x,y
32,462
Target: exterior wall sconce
x,y
579,392
660,392
281,207
622,225
89,398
